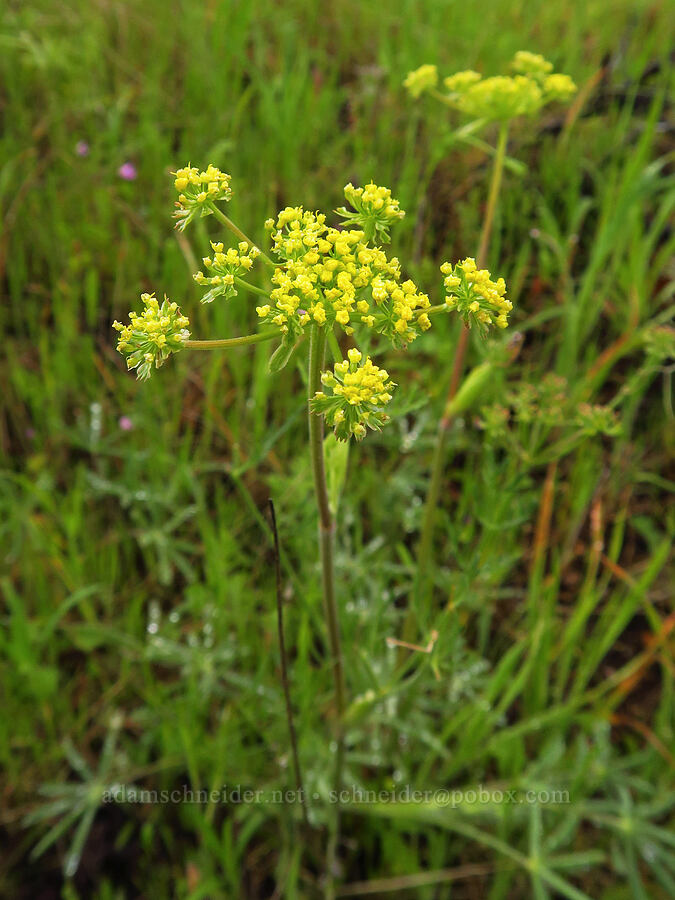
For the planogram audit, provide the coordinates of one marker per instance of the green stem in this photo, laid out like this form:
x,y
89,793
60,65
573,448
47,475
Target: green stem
x,y
226,343
424,553
434,310
228,223
493,195
251,287
317,350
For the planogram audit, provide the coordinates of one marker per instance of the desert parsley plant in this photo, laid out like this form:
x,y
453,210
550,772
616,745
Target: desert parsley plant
x,y
528,87
325,280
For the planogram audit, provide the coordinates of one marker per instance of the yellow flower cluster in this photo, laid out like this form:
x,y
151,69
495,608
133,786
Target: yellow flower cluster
x,y
226,266
330,276
359,391
559,87
475,296
375,209
150,338
526,63
196,190
500,97
421,80
460,81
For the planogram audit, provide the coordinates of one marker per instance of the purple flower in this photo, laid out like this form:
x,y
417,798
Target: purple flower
x,y
125,423
127,171
82,148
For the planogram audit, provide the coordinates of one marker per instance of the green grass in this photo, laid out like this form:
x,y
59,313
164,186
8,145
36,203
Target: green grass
x,y
138,642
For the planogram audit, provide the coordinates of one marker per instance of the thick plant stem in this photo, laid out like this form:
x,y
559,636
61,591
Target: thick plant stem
x,y
229,224
227,343
317,350
424,554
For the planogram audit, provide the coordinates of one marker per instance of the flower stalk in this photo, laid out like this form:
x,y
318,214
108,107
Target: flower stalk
x,y
236,230
317,349
438,461
317,352
228,343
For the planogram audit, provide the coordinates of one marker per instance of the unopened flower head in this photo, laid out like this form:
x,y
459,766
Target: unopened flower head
x,y
420,80
376,210
545,401
595,419
197,191
151,337
330,276
476,297
358,392
659,344
225,267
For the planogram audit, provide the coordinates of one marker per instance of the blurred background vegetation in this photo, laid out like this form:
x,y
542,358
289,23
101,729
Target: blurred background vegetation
x,y
138,642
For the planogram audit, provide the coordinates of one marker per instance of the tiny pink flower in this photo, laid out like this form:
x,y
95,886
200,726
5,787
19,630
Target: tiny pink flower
x,y
82,148
127,171
125,423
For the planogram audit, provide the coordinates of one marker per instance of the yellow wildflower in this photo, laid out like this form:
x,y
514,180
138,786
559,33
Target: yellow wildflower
x,y
375,209
358,392
526,63
501,97
226,266
332,276
151,337
475,296
460,81
559,87
421,80
197,191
